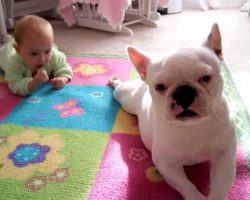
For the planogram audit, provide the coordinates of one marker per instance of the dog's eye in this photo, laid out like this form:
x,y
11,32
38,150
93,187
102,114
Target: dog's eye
x,y
160,87
205,79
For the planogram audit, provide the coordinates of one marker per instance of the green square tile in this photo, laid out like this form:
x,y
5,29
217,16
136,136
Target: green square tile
x,y
67,171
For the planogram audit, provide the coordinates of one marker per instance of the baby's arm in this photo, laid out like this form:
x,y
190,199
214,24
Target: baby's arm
x,y
24,85
59,82
62,71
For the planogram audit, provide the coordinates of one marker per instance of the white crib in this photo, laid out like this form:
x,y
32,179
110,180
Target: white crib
x,y
140,11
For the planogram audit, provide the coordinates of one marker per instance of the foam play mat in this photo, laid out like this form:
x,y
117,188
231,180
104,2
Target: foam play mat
x,y
77,143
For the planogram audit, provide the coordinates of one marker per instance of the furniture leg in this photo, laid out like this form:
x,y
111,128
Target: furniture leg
x,y
4,37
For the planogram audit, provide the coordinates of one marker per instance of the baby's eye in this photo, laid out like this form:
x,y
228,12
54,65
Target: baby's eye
x,y
47,52
34,53
160,87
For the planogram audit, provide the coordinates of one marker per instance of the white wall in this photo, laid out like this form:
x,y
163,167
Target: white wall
x,y
205,4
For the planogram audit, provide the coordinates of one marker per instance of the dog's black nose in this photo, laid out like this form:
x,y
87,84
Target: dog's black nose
x,y
185,95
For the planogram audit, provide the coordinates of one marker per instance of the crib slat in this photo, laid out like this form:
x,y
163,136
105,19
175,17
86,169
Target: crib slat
x,y
87,16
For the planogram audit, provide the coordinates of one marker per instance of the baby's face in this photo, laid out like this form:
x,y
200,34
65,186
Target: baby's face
x,y
35,51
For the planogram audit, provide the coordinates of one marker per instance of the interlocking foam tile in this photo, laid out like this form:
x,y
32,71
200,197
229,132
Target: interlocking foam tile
x,y
39,163
77,142
7,101
127,172
97,71
73,107
125,123
241,187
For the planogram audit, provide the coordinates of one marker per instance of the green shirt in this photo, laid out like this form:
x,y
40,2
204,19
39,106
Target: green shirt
x,y
18,75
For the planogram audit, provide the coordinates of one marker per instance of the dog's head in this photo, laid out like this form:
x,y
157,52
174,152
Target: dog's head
x,y
185,86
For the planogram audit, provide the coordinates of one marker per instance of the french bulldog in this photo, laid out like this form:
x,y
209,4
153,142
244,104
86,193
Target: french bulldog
x,y
183,115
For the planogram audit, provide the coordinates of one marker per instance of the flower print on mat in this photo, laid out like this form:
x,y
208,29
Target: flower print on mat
x,y
153,175
27,153
88,70
137,154
37,183
97,71
93,72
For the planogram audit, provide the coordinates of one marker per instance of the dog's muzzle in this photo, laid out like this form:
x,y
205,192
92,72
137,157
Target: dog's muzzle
x,y
184,96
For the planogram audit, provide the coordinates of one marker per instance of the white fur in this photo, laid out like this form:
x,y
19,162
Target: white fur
x,y
177,142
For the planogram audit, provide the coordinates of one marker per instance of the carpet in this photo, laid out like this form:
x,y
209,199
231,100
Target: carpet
x,y
77,143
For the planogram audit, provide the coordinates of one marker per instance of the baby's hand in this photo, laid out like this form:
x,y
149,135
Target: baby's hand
x,y
59,82
41,76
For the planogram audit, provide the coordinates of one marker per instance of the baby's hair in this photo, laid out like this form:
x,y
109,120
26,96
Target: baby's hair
x,y
32,24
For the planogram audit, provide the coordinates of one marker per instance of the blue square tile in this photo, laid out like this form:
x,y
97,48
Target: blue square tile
x,y
73,107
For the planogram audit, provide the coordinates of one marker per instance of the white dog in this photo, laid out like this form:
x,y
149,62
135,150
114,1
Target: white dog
x,y
183,116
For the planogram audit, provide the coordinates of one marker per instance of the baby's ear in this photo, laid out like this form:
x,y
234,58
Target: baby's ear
x,y
15,45
214,41
139,59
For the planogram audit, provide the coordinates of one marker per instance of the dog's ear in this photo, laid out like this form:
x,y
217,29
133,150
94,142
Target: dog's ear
x,y
139,59
214,41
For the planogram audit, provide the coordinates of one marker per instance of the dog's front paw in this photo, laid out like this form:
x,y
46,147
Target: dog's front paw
x,y
114,82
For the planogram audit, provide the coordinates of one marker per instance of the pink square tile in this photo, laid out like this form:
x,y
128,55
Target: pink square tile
x,y
127,172
8,101
241,187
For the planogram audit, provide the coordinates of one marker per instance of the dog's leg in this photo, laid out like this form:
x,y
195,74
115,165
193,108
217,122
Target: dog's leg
x,y
222,175
114,82
127,93
176,177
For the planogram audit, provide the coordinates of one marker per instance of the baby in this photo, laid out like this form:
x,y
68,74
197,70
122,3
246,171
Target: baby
x,y
31,59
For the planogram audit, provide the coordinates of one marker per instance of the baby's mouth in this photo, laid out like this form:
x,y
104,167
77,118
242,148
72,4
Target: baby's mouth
x,y
39,66
186,114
